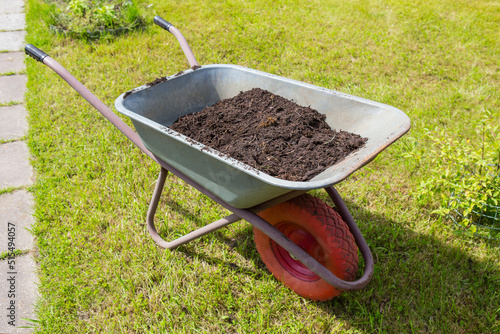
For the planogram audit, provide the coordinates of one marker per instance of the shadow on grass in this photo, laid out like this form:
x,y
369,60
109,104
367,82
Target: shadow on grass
x,y
421,283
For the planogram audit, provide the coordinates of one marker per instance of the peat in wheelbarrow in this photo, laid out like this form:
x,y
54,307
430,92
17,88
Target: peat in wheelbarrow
x,y
270,133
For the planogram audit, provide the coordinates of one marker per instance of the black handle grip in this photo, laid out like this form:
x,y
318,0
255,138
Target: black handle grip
x,y
35,52
163,23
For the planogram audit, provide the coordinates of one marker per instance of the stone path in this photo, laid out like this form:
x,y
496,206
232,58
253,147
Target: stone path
x,y
18,279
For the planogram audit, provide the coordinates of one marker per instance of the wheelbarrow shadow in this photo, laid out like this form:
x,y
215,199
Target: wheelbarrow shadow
x,y
419,279
242,242
405,288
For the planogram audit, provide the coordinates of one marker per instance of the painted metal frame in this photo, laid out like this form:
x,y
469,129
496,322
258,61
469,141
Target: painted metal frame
x,y
249,214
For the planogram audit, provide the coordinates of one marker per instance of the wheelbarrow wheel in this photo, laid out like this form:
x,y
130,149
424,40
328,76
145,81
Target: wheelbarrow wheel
x,y
321,232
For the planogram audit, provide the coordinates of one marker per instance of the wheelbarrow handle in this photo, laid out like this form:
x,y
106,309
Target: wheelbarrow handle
x,y
41,56
182,41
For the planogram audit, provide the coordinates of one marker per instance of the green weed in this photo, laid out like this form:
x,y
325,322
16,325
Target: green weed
x,y
465,175
89,20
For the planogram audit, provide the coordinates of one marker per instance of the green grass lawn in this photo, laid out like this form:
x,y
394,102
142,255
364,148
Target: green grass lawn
x,y
101,272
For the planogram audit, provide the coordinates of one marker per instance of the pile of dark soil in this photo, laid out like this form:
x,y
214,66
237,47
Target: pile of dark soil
x,y
271,134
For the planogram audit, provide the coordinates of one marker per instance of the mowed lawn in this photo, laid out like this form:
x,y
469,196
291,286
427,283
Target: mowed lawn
x,y
100,272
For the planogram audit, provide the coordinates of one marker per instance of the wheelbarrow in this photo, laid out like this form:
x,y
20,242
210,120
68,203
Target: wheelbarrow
x,y
309,246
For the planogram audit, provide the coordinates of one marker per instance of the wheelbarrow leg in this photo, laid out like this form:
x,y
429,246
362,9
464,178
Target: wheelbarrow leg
x,y
188,237
250,216
356,233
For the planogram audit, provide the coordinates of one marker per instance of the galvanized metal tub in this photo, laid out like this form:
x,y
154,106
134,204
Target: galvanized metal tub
x,y
153,109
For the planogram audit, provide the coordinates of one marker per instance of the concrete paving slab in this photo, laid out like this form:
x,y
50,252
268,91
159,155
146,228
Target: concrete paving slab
x,y
12,40
12,88
16,213
18,293
11,6
13,21
15,168
12,62
13,122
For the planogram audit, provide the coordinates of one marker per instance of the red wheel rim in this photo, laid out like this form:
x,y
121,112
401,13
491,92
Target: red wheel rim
x,y
304,240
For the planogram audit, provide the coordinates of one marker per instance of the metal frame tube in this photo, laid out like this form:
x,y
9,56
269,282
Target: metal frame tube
x,y
356,233
188,237
250,216
247,214
184,45
153,205
97,104
180,38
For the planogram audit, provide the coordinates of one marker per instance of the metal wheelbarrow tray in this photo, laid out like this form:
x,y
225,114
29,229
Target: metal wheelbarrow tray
x,y
237,186
153,109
